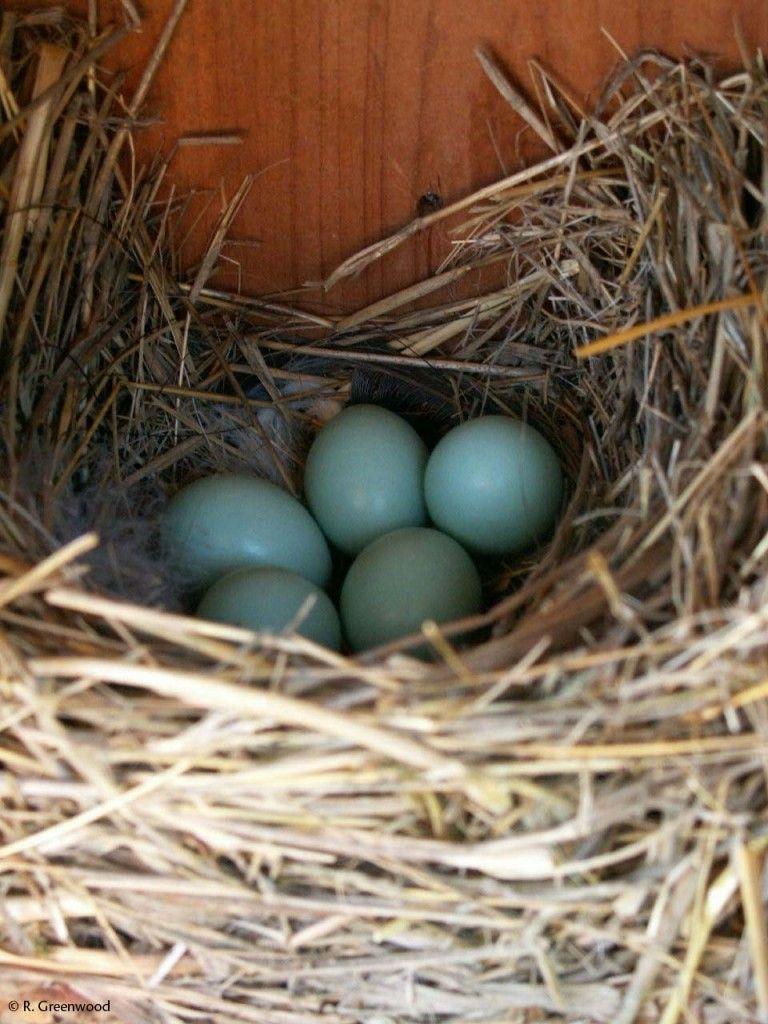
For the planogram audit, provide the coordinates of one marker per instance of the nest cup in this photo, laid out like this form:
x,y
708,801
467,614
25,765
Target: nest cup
x,y
565,819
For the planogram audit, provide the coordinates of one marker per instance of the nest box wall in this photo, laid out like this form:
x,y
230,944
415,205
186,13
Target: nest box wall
x,y
349,111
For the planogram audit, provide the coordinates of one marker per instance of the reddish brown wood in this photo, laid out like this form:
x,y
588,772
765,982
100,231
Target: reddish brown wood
x,y
351,109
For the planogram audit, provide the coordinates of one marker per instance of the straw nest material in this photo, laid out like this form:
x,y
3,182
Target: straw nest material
x,y
564,815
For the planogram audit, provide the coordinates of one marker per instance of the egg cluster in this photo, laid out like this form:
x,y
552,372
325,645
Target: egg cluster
x,y
492,486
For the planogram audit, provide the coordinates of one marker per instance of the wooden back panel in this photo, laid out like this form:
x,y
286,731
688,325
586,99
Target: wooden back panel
x,y
350,110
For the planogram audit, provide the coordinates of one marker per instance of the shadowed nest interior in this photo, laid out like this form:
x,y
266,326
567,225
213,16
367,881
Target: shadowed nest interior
x,y
563,816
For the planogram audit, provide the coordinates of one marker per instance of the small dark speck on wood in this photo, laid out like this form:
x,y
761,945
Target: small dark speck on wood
x,y
428,203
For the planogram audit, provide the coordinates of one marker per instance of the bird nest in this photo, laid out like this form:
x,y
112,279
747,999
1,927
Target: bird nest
x,y
563,814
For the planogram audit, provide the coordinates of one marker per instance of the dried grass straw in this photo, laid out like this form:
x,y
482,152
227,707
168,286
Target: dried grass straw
x,y
566,820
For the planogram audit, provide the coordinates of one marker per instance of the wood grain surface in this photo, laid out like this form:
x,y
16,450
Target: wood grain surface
x,y
350,110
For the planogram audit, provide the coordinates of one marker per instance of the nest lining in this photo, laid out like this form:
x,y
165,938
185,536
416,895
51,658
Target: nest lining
x,y
566,820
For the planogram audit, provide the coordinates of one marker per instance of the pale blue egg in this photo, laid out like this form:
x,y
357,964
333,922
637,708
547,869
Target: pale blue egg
x,y
495,484
269,600
364,476
403,579
229,521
